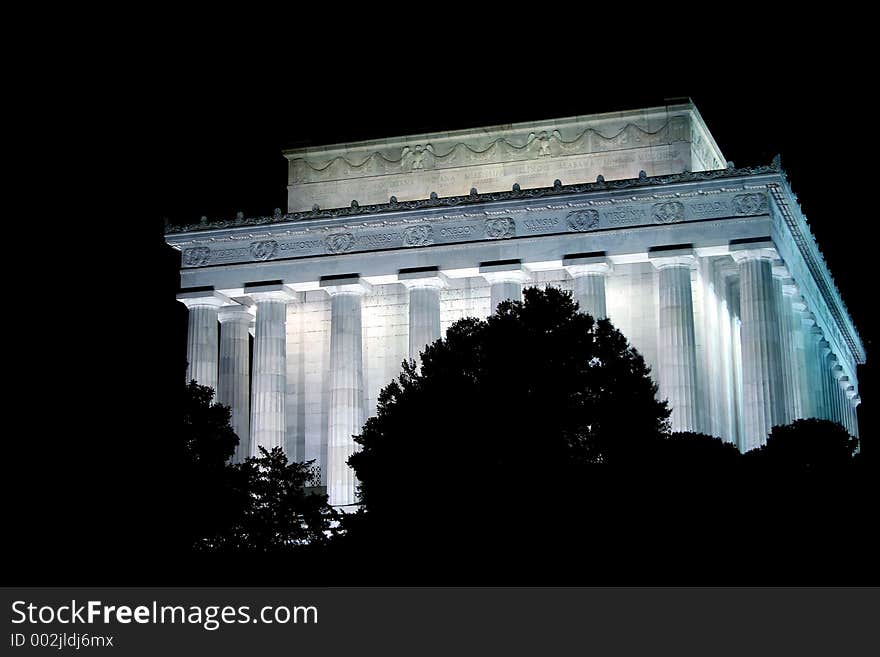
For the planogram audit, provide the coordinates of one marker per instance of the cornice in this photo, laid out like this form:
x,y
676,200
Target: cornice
x,y
475,198
493,132
796,221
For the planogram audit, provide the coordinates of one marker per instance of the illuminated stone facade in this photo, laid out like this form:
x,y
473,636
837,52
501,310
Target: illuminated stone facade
x,y
710,271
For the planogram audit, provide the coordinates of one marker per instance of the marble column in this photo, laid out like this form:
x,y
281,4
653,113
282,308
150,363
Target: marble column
x,y
791,323
814,335
677,357
825,379
763,395
842,405
854,402
424,307
801,324
588,282
838,385
234,384
838,410
783,307
839,406
728,320
269,383
201,337
346,411
736,341
849,391
506,279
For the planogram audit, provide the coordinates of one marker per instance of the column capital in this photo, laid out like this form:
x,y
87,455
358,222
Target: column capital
x,y
837,372
824,347
235,313
587,266
855,400
346,284
757,250
269,291
422,278
844,383
203,297
727,268
780,271
684,257
790,288
512,272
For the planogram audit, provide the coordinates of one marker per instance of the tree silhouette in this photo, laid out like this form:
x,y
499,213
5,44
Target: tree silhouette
x,y
273,511
209,441
504,421
806,446
208,438
260,505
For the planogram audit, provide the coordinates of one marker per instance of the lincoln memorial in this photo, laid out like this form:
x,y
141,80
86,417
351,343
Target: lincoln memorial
x,y
710,271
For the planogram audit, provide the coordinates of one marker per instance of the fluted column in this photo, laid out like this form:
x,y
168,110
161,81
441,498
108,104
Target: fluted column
x,y
677,355
815,337
839,386
269,384
837,409
825,380
842,405
783,307
854,402
589,274
201,335
736,341
346,412
424,307
801,324
791,324
849,391
763,396
506,280
234,383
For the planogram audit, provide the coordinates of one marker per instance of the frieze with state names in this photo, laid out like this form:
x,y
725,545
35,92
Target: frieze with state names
x,y
552,219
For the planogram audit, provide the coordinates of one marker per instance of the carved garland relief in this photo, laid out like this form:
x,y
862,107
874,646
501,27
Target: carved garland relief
x,y
666,213
581,220
418,236
497,229
196,257
339,242
264,250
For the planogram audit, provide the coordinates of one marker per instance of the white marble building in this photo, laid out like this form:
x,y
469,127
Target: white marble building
x,y
710,271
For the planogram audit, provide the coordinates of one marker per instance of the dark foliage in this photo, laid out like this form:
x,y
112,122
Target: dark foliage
x,y
806,446
209,442
272,511
529,448
493,438
553,466
260,505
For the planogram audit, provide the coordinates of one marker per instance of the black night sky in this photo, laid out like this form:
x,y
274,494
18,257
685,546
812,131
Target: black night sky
x,y
202,134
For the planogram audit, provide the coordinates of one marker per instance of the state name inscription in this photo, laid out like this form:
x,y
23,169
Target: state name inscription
x,y
532,220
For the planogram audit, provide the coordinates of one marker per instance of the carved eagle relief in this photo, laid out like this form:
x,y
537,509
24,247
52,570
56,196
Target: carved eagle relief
x,y
539,142
417,157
